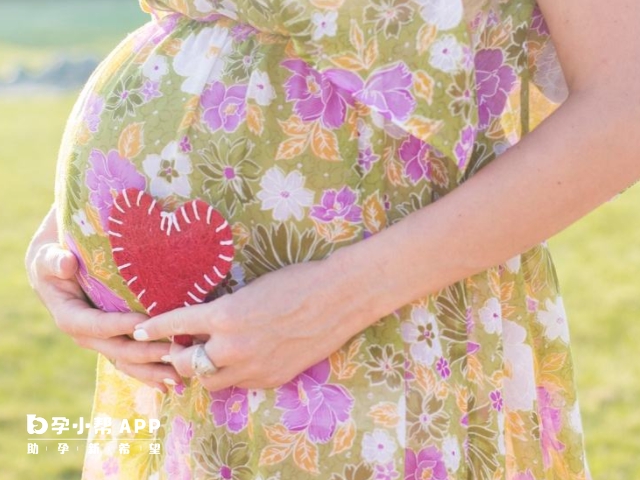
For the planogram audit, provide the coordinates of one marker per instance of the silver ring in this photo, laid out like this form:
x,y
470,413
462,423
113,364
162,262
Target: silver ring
x,y
201,363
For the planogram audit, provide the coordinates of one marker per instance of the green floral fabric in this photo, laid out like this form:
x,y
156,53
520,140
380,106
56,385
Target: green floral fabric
x,y
311,125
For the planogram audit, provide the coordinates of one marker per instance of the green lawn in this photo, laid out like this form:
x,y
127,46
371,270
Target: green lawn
x,y
597,259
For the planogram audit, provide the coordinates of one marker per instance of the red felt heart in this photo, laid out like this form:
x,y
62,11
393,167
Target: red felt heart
x,y
169,259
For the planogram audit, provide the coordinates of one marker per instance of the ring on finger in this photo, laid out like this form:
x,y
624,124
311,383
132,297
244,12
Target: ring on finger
x,y
201,363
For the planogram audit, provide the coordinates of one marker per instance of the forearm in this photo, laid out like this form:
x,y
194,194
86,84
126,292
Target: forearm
x,y
578,158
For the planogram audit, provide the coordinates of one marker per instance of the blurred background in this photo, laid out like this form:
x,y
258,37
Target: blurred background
x,y
47,51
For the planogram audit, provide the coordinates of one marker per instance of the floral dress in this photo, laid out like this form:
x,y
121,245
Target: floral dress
x,y
311,125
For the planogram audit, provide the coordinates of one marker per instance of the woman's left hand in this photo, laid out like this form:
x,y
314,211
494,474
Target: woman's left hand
x,y
270,330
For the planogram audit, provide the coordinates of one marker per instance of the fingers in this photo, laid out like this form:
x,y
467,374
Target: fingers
x,y
124,349
54,261
186,320
78,319
152,374
224,377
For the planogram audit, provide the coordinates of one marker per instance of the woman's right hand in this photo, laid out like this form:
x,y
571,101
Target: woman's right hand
x,y
52,274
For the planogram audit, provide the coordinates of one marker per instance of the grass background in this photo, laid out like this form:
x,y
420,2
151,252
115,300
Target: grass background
x,y
597,259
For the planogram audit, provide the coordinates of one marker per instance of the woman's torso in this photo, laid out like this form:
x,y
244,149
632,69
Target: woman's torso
x,y
309,126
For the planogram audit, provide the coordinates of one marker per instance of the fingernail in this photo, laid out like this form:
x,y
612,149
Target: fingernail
x,y
166,358
160,390
169,381
140,334
59,265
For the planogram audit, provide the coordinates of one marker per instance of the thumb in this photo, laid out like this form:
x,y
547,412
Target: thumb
x,y
60,262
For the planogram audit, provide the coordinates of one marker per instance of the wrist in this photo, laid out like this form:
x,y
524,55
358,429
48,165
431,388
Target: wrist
x,y
357,282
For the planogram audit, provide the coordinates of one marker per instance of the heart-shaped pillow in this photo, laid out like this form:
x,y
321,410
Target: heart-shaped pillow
x,y
169,259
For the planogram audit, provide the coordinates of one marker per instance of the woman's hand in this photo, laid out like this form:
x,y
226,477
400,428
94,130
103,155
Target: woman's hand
x,y
51,270
269,331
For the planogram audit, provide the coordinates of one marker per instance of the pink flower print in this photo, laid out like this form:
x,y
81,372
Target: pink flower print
x,y
185,144
110,467
464,147
366,158
315,96
107,176
427,463
386,471
443,367
415,153
550,425
496,400
387,91
98,293
241,31
313,405
525,476
494,82
92,111
224,107
230,407
538,23
177,450
150,90
339,204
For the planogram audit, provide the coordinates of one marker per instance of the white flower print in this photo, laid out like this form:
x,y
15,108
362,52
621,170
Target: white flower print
x,y
169,171
422,332
401,426
491,315
501,441
155,67
378,446
513,264
446,54
260,88
80,217
201,58
255,396
451,453
575,418
554,319
325,24
224,7
520,384
285,195
444,14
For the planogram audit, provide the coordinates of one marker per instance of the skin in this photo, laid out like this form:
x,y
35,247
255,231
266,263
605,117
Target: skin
x,y
581,156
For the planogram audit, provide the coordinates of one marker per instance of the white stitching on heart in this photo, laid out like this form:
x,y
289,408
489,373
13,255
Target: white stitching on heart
x,y
122,267
115,204
184,214
222,226
215,269
195,210
140,194
126,198
199,300
153,204
144,290
115,234
200,289
115,221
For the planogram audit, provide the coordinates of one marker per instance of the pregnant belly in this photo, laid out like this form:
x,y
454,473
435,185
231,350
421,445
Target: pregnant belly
x,y
214,111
